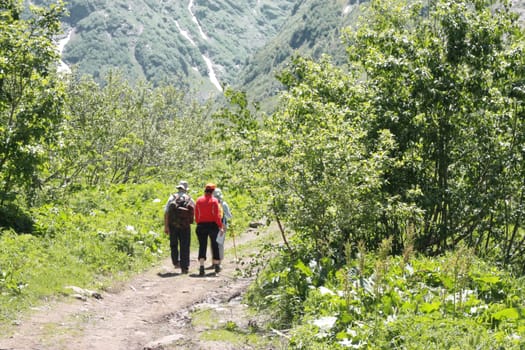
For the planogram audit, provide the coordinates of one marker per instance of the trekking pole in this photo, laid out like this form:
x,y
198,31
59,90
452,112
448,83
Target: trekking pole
x,y
234,247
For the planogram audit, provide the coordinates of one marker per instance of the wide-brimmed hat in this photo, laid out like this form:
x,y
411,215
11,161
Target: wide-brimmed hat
x,y
183,185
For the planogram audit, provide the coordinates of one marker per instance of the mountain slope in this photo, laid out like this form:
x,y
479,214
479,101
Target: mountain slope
x,y
197,44
313,29
203,45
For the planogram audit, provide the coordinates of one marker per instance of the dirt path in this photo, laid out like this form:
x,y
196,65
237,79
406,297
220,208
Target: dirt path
x,y
144,313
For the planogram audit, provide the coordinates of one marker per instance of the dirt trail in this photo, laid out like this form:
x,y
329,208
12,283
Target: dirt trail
x,y
139,314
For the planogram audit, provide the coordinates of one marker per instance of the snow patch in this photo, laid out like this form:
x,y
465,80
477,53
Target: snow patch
x,y
194,19
209,63
185,34
62,66
211,73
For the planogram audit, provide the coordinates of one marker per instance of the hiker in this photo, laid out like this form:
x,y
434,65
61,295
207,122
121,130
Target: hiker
x,y
178,217
209,225
226,216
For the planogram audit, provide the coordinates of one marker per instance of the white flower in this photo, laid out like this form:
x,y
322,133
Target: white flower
x,y
325,323
321,335
476,309
515,336
351,332
346,342
156,200
323,290
130,228
312,264
461,296
390,318
349,344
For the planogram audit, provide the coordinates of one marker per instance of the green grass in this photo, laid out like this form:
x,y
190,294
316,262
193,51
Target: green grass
x,y
217,326
238,338
91,240
204,318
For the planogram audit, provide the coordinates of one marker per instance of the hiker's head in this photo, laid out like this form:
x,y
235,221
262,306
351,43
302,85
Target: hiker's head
x,y
183,186
209,188
217,193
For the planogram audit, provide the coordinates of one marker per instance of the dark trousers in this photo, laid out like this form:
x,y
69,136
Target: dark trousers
x,y
204,231
180,237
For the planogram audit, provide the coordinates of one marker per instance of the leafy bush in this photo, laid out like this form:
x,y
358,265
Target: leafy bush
x,y
14,217
452,301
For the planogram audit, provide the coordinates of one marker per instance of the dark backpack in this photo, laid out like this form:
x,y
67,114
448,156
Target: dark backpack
x,y
180,211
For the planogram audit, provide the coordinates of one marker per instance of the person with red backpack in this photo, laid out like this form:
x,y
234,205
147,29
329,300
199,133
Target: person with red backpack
x,y
209,224
178,217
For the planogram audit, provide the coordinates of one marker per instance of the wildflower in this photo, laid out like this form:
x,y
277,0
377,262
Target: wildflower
x,y
312,264
325,323
323,290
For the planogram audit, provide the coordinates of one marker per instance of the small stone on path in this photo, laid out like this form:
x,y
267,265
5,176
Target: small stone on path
x,y
167,340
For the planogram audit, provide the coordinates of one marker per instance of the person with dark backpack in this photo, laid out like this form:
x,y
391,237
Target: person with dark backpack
x,y
178,217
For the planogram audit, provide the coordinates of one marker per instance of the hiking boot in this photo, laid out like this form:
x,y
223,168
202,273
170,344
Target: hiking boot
x,y
201,271
211,267
176,265
184,270
217,268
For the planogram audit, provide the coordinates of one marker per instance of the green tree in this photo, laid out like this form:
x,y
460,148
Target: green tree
x,y
326,184
31,95
117,132
310,163
446,79
423,129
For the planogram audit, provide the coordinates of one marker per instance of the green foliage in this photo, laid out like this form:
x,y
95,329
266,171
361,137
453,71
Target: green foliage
x,y
88,240
119,133
282,290
416,147
311,155
419,139
413,305
30,94
14,217
444,78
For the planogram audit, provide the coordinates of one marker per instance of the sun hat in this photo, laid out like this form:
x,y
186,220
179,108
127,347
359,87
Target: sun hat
x,y
210,187
217,193
183,185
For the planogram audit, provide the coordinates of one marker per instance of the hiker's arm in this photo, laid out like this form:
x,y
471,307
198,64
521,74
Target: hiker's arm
x,y
166,227
191,207
218,219
227,212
